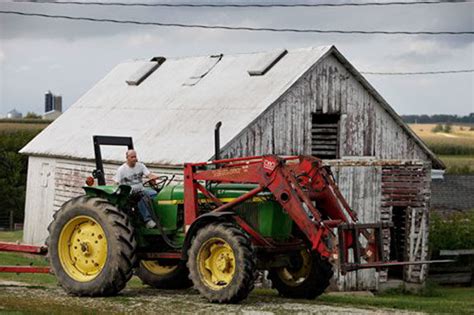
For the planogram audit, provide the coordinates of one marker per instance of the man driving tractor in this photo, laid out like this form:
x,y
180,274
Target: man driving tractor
x,y
131,173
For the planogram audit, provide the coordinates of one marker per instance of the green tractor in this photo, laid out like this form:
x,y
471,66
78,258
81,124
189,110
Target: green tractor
x,y
226,220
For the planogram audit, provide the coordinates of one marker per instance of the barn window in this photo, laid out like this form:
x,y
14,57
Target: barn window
x,y
325,136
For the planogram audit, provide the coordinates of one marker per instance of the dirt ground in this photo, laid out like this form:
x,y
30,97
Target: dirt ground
x,y
21,298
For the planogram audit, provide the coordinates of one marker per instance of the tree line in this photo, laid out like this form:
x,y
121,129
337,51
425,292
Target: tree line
x,y
13,173
438,118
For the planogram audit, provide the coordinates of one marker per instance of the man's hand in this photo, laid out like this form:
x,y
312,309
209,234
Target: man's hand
x,y
152,176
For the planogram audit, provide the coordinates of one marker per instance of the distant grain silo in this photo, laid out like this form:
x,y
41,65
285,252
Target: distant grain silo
x,y
14,114
58,103
48,101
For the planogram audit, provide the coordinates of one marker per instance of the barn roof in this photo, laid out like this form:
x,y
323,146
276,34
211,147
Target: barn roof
x,y
170,107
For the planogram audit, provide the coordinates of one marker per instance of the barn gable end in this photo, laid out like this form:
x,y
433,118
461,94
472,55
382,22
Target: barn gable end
x,y
365,126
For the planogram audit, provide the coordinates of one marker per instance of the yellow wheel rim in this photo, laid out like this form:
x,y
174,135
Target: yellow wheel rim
x,y
82,248
294,277
154,267
216,261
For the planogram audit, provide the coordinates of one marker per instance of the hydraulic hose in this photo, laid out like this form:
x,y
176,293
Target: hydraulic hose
x,y
159,226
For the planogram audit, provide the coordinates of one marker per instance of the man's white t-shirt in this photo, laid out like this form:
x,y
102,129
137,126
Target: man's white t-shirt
x,y
132,176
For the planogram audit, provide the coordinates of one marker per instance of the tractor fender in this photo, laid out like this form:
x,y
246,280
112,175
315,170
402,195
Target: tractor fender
x,y
117,195
202,221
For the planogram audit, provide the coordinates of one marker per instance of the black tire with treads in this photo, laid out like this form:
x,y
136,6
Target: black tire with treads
x,y
121,246
242,282
175,279
313,285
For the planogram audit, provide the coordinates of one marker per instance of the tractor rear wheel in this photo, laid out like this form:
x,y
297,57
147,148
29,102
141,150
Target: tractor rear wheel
x,y
222,263
91,247
164,276
307,278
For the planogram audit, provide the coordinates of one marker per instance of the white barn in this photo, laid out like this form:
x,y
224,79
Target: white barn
x,y
269,103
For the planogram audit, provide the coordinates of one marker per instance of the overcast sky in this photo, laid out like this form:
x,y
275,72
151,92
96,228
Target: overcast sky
x,y
69,57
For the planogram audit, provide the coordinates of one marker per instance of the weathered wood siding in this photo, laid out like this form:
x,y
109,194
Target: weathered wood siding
x,y
408,186
372,188
366,129
361,186
58,181
39,204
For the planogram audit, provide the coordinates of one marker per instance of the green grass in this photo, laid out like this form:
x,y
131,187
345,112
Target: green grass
x,y
14,259
446,146
14,126
445,300
459,141
431,300
458,164
434,300
455,149
11,236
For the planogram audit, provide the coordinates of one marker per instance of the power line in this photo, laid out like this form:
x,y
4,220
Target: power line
x,y
419,73
249,5
236,28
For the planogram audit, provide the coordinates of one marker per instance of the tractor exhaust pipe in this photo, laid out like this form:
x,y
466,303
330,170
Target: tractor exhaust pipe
x,y
217,141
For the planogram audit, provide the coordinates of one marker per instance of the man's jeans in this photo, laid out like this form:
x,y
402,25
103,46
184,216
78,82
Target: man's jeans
x,y
145,202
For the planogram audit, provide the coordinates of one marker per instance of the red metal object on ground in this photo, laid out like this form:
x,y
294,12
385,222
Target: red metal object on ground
x,y
13,247
306,189
24,269
21,248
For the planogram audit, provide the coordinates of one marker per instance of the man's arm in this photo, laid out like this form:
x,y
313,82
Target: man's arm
x,y
149,174
117,177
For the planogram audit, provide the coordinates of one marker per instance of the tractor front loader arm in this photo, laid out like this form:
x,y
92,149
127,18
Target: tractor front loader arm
x,y
280,176
307,191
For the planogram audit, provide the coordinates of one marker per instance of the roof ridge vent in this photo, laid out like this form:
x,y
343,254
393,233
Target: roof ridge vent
x,y
145,71
266,62
204,68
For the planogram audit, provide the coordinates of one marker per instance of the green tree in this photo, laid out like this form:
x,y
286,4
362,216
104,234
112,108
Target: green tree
x,y
437,128
447,128
32,115
13,172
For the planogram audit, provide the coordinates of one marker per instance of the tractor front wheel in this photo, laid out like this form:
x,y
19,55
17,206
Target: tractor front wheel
x,y
161,275
91,247
306,278
222,263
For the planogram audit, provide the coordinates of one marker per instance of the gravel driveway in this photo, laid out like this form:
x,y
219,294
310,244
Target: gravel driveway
x,y
50,300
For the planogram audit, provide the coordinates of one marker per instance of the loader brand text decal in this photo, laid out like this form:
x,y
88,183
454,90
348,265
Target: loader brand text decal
x,y
269,165
224,172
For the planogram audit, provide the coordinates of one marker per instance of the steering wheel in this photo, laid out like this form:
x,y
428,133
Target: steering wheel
x,y
156,183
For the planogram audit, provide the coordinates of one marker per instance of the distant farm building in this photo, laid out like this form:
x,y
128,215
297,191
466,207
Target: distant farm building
x,y
305,101
52,115
14,114
53,106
